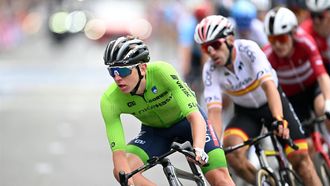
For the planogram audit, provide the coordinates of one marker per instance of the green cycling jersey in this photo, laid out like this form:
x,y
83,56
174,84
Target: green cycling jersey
x,y
166,100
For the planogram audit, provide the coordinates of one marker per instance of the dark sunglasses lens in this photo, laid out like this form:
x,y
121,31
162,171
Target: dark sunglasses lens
x,y
122,72
280,38
316,15
215,45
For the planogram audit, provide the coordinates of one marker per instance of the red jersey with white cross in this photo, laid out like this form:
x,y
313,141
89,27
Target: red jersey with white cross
x,y
321,42
299,71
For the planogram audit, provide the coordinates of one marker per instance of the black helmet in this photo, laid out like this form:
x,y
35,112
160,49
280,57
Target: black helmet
x,y
125,51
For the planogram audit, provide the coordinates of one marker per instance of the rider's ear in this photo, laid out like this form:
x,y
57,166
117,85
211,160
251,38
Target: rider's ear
x,y
230,39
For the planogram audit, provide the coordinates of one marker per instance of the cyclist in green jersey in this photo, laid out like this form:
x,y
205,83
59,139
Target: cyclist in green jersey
x,y
167,108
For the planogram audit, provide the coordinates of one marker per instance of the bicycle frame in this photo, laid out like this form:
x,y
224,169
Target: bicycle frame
x,y
318,139
284,172
172,173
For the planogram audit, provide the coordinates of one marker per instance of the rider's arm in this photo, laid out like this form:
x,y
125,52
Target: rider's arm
x,y
115,135
324,82
215,118
213,97
273,97
187,102
120,164
198,127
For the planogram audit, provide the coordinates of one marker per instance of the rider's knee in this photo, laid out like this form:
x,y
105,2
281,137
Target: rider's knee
x,y
300,160
219,177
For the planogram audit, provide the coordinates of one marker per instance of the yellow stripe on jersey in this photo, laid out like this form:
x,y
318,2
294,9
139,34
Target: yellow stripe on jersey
x,y
237,132
255,84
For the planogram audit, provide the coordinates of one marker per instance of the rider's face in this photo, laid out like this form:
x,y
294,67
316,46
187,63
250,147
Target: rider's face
x,y
127,84
217,50
281,44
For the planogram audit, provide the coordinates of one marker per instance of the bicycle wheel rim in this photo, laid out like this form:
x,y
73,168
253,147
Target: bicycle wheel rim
x,y
265,178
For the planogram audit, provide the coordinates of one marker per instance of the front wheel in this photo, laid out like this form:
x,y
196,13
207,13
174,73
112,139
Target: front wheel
x,y
265,178
322,169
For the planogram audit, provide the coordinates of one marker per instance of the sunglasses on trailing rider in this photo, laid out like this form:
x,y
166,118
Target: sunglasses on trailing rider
x,y
214,44
121,71
317,15
283,38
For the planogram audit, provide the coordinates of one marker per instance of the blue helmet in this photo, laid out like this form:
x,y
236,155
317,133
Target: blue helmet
x,y
243,12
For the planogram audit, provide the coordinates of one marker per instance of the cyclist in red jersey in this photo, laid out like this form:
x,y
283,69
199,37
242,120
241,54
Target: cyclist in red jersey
x,y
295,57
318,27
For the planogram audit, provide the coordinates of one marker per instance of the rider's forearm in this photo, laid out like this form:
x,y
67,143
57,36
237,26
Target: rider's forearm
x,y
324,82
120,164
198,129
215,119
274,99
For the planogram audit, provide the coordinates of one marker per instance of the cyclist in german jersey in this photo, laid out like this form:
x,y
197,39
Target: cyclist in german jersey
x,y
240,69
295,57
167,108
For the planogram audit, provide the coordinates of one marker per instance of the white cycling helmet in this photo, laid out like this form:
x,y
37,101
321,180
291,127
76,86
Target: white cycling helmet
x,y
213,27
317,5
280,21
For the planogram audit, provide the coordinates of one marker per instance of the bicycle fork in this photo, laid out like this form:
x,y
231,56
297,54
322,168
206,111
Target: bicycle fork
x,y
169,171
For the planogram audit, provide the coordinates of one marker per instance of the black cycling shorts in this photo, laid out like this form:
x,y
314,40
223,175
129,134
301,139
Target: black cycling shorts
x,y
247,122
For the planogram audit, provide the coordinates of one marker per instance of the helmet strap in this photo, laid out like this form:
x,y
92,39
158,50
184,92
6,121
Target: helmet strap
x,y
133,92
230,48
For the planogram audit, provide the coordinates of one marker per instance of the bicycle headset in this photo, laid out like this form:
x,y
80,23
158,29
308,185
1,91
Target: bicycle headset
x,y
280,21
212,28
127,51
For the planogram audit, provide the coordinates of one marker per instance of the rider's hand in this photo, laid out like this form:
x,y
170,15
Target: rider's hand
x,y
201,156
282,128
327,108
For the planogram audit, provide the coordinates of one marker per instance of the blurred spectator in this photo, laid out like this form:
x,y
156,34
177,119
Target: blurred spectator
x,y
262,7
247,25
298,7
318,25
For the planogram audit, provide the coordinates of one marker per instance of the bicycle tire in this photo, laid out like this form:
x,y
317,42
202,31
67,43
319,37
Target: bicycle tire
x,y
265,178
290,177
322,169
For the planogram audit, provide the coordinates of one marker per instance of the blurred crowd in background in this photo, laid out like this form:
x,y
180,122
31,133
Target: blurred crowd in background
x,y
99,19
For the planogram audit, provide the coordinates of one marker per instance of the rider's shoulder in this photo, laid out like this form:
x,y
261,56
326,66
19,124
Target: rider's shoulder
x,y
111,91
242,44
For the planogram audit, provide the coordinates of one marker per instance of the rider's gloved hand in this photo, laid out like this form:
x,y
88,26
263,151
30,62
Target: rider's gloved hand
x,y
282,127
201,155
327,108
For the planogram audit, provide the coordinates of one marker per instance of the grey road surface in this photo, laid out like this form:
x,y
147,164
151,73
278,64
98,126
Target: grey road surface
x,y
51,129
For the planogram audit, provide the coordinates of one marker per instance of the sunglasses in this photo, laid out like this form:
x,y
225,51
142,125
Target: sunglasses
x,y
121,71
283,38
317,15
214,44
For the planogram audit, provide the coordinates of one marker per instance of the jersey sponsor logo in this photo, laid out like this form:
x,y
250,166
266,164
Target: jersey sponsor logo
x,y
208,78
239,85
113,144
184,89
249,53
155,105
154,90
138,141
175,77
192,105
158,97
131,104
240,66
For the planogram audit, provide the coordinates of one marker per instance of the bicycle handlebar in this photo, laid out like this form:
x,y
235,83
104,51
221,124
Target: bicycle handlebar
x,y
252,141
184,148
